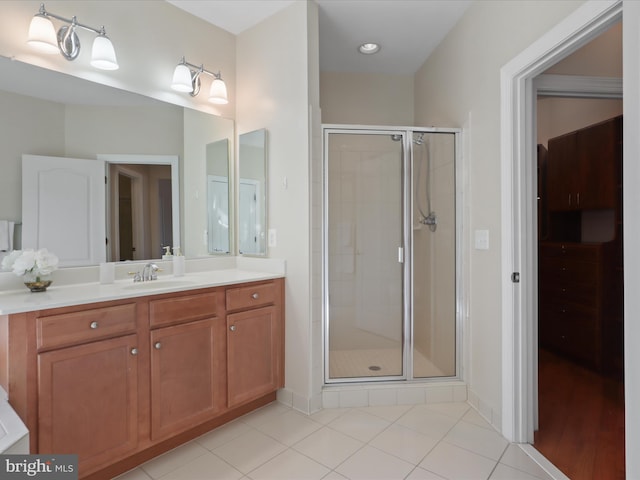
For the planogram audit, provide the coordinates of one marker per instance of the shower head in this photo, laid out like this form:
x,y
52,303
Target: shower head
x,y
396,137
419,140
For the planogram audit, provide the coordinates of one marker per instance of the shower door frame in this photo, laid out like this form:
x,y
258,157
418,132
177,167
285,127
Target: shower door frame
x,y
461,306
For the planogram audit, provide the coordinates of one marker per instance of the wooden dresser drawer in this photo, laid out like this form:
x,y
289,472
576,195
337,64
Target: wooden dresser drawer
x,y
80,327
569,270
573,251
251,296
183,308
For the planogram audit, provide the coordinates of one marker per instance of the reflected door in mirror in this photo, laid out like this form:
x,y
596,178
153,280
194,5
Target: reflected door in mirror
x,y
252,201
63,208
218,198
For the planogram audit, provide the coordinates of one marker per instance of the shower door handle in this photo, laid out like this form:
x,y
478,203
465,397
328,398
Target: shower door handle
x,y
400,254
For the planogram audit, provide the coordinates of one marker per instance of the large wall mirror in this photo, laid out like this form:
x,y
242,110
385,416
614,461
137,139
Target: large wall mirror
x,y
48,113
252,194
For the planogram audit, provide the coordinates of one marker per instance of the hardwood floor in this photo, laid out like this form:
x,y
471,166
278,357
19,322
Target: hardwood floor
x,y
581,420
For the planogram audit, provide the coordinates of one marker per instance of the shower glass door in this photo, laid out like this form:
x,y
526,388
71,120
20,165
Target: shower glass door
x,y
364,253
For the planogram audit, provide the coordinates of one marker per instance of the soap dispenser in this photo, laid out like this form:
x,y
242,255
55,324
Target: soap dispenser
x,y
178,262
167,253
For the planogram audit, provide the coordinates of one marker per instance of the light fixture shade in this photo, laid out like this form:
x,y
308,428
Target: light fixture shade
x,y
218,92
103,55
42,35
182,79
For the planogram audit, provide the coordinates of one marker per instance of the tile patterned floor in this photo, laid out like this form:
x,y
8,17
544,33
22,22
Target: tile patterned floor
x,y
414,442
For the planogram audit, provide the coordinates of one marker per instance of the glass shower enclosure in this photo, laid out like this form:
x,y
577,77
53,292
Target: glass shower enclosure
x,y
390,244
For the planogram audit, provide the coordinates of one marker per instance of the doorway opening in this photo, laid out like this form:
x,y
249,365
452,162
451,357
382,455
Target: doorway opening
x,y
580,267
519,210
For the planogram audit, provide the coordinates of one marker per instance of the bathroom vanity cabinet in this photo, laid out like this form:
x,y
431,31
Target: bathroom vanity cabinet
x,y
120,382
253,341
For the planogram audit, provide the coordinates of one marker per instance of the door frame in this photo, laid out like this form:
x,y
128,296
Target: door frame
x,y
173,161
461,248
519,229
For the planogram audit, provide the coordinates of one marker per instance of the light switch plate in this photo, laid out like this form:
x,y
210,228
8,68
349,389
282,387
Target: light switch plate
x,y
482,239
272,237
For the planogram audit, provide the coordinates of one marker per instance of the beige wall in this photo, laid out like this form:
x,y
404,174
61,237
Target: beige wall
x,y
557,116
273,62
27,125
459,85
366,99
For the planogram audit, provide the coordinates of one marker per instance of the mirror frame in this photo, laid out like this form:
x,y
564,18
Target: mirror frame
x,y
173,161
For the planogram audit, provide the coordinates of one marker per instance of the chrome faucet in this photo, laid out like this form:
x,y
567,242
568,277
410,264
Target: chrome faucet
x,y
149,272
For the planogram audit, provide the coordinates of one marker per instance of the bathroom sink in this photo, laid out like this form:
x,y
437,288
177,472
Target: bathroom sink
x,y
155,284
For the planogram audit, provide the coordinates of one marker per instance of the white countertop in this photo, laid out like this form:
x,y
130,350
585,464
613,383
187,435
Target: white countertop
x,y
67,294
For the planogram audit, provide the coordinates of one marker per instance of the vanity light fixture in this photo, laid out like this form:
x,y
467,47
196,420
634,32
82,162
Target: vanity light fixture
x,y
186,78
43,36
369,48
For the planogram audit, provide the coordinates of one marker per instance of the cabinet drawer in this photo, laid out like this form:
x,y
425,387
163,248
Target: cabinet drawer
x,y
571,251
183,308
569,270
85,326
251,296
584,294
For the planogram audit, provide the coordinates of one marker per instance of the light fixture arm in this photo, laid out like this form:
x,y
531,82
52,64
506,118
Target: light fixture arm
x,y
44,37
199,69
71,21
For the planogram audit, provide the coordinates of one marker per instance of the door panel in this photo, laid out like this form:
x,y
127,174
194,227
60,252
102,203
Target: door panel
x,y
63,208
365,276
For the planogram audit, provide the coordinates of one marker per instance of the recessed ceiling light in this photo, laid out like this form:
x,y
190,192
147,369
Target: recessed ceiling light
x,y
369,48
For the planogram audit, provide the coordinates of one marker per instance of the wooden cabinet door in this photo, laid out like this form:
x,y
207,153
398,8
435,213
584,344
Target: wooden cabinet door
x,y
88,401
562,173
598,151
187,375
253,354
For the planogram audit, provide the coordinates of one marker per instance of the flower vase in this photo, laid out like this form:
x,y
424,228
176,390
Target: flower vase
x,y
37,282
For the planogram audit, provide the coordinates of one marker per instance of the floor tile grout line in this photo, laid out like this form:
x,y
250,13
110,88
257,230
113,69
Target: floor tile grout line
x,y
277,413
168,453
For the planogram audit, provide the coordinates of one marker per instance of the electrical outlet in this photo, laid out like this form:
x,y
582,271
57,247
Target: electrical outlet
x,y
272,237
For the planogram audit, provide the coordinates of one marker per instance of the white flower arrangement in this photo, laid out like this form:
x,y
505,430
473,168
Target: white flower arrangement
x,y
36,262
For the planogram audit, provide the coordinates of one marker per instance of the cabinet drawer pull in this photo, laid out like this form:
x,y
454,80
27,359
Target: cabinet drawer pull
x,y
134,351
157,345
93,325
255,296
232,328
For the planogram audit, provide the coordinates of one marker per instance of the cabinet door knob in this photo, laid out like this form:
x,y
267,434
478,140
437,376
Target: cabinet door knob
x,y
255,296
93,325
134,351
157,345
232,328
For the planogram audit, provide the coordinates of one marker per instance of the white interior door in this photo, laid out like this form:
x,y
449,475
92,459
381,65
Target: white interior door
x,y
217,213
249,231
63,208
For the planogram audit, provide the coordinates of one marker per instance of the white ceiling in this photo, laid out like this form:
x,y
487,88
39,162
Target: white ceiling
x,y
407,30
